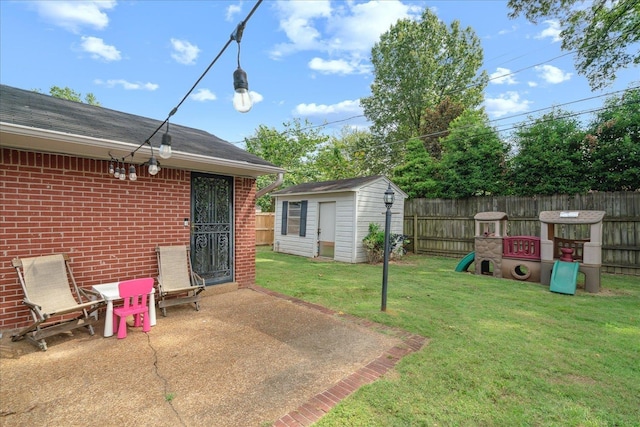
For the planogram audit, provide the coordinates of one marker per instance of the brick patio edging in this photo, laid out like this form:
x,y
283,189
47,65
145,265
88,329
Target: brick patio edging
x,y
317,406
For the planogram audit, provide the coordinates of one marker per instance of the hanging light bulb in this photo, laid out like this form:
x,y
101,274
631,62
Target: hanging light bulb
x,y
116,172
165,147
153,166
111,168
132,173
123,173
241,99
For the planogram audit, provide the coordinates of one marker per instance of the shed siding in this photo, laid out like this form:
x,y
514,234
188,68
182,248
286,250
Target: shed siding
x,y
355,210
292,243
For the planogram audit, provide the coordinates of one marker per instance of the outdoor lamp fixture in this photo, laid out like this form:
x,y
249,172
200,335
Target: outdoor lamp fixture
x,y
389,197
123,172
241,99
112,169
165,147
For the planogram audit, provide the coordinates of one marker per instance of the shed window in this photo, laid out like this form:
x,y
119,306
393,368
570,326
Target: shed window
x,y
294,218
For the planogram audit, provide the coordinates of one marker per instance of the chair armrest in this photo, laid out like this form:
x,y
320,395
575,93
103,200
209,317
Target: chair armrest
x,y
91,295
36,309
198,281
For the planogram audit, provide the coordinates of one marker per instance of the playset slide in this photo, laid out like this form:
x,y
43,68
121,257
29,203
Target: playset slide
x,y
564,277
464,264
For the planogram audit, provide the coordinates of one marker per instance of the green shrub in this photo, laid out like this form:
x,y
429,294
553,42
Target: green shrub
x,y
374,244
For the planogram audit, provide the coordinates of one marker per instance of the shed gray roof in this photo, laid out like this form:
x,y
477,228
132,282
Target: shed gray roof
x,y
35,110
350,184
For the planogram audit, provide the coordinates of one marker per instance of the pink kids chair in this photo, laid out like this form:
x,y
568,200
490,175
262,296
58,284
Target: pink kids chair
x,y
134,293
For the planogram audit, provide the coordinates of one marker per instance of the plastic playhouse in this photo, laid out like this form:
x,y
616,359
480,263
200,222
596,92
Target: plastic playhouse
x,y
548,259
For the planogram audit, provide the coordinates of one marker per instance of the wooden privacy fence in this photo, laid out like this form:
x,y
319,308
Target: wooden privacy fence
x,y
446,227
264,228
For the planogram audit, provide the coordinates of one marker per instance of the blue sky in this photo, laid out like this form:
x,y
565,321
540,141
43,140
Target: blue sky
x,y
304,59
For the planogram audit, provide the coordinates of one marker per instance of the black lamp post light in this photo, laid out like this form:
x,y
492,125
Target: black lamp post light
x,y
389,197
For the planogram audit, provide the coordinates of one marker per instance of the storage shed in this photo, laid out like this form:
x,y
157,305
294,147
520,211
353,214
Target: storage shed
x,y
329,219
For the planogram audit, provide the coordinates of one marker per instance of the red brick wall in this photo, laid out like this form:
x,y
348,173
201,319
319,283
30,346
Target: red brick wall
x,y
245,231
110,228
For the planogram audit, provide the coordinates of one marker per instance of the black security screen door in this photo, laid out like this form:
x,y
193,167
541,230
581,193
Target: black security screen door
x,y
212,227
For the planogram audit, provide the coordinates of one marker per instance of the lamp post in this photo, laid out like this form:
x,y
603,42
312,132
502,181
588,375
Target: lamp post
x,y
389,196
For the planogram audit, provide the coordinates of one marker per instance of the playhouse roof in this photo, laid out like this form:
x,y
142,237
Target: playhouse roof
x,y
571,217
33,121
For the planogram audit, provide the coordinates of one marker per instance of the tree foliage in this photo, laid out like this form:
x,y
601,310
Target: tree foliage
x,y
71,95
416,65
351,154
293,149
550,158
603,34
613,144
434,125
473,158
419,175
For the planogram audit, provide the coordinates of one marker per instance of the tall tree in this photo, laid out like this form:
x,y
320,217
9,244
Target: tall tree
x,y
473,158
603,34
613,144
293,149
416,65
550,157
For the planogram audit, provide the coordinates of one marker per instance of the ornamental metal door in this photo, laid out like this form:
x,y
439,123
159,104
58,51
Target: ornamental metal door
x,y
212,227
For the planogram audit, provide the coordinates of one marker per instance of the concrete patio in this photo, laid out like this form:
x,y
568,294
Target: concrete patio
x,y
249,357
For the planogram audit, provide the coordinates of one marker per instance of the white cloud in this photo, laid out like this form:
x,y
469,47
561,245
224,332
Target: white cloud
x,y
551,74
232,11
532,84
552,31
98,50
506,103
348,106
344,33
126,85
255,97
203,95
502,76
73,15
338,66
507,31
184,52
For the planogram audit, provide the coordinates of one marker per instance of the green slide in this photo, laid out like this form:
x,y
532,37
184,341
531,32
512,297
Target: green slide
x,y
564,277
464,264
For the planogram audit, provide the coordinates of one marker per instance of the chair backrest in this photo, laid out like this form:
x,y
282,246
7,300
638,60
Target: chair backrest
x,y
174,267
45,282
135,291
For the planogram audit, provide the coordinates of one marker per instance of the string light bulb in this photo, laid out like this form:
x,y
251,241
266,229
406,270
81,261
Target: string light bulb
x,y
153,166
132,173
165,147
241,99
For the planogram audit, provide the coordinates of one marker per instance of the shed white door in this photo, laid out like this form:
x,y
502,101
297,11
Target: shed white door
x,y
327,229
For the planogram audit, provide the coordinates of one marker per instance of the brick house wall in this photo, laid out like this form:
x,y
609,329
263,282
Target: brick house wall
x,y
63,204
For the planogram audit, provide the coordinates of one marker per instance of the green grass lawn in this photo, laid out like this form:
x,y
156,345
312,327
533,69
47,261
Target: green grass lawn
x,y
501,352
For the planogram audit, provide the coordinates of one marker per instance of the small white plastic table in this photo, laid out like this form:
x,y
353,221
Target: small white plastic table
x,y
111,293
